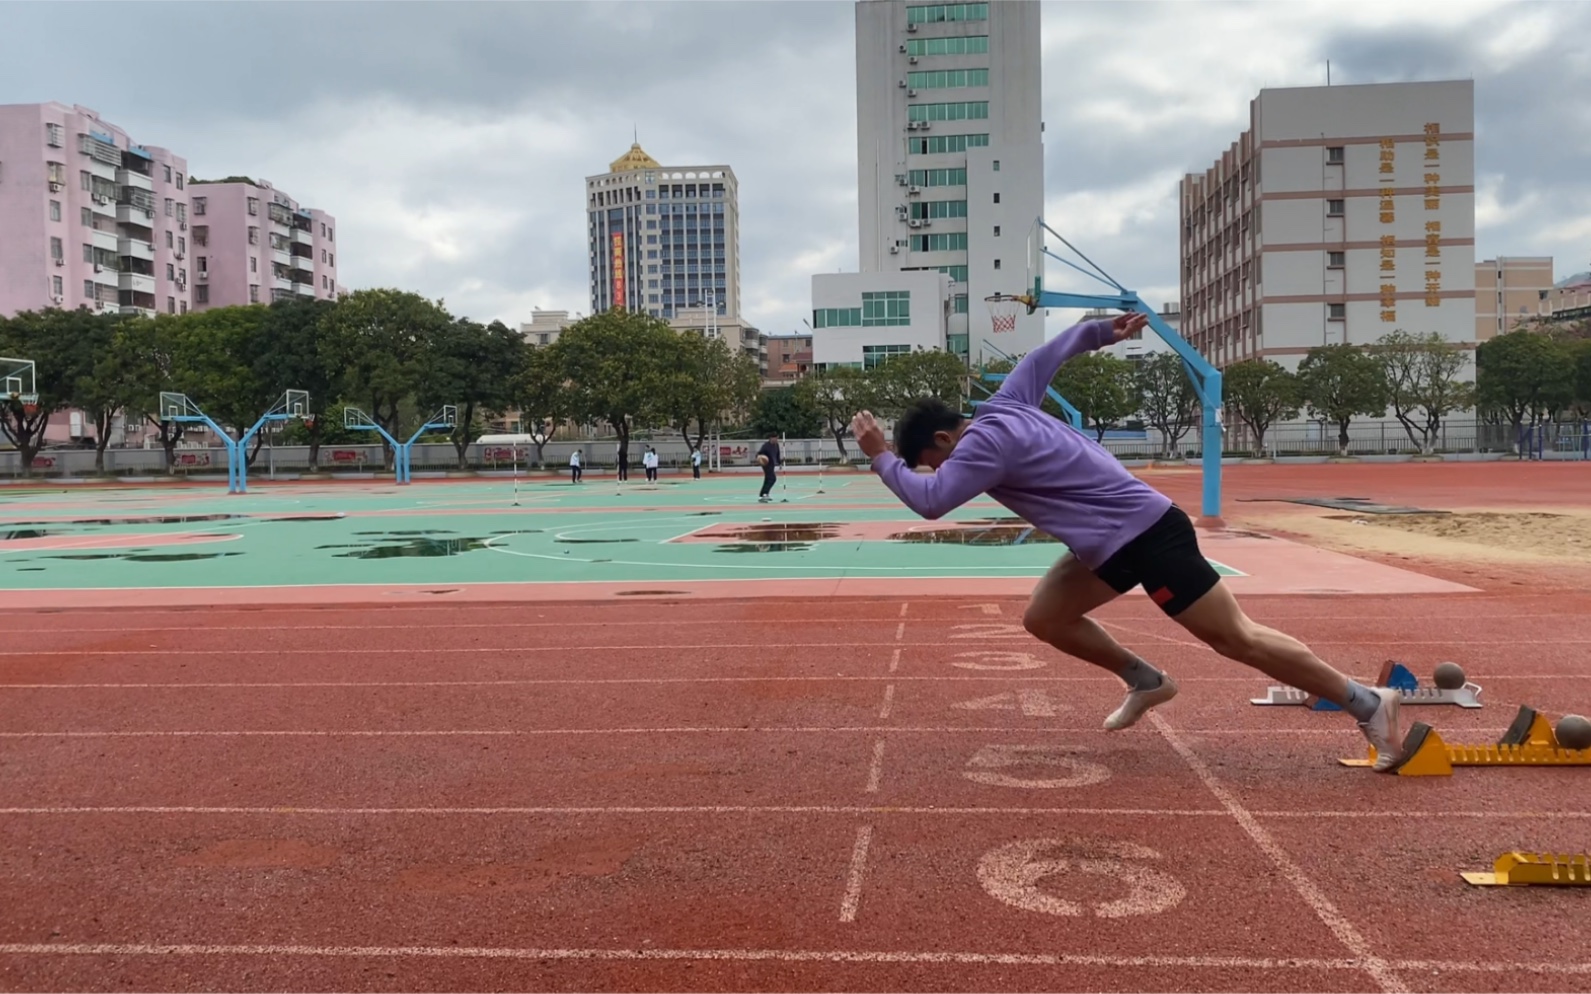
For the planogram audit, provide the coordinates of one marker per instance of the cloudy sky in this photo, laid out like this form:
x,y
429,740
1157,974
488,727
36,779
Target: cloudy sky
x,y
452,139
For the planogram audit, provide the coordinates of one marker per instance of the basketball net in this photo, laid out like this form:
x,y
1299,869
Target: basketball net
x,y
1003,311
30,402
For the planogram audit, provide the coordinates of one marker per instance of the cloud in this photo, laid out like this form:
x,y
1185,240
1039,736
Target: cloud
x,y
452,140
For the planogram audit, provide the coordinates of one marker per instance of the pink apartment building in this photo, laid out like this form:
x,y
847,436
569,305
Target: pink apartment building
x,y
88,217
253,244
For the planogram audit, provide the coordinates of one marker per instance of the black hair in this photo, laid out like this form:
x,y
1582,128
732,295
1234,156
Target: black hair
x,y
915,430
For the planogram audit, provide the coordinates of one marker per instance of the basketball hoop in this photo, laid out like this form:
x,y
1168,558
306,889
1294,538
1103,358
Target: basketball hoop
x,y
1004,309
30,403
308,422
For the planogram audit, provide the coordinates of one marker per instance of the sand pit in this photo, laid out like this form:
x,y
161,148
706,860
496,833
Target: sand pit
x,y
1496,536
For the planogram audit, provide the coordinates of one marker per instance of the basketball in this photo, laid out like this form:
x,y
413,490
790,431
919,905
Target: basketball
x,y
762,460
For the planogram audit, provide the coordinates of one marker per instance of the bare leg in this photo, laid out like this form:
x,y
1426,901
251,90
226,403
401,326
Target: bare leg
x,y
1217,621
1057,614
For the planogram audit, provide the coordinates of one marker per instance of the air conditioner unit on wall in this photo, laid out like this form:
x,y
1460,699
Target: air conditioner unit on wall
x,y
914,223
903,48
902,84
55,187
911,93
914,190
912,60
894,250
911,29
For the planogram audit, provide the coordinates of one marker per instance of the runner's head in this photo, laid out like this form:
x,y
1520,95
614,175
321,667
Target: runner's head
x,y
927,432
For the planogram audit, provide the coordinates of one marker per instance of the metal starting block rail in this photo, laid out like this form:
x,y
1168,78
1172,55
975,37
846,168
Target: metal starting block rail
x,y
1535,869
1394,675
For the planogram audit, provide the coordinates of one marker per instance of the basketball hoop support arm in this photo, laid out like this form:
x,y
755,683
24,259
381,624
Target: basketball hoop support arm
x,y
1206,379
1073,415
445,417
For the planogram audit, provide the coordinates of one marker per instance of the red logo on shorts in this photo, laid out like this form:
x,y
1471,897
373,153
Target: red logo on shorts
x,y
1161,596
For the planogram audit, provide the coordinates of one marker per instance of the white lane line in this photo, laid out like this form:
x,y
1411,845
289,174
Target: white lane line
x,y
853,883
1559,968
1311,894
903,608
876,769
889,702
894,661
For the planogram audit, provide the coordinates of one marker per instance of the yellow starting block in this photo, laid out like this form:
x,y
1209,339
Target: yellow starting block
x,y
1529,741
1523,869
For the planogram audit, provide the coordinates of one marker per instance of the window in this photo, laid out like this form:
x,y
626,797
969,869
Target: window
x,y
88,253
886,307
837,317
55,212
201,234
1334,208
171,207
199,204
254,235
997,231
942,79
57,251
965,45
171,305
254,263
55,135
952,241
182,245
202,265
323,256
923,209
997,263
937,13
182,212
179,184
996,165
171,271
168,240
958,304
323,281
939,144
974,110
1334,154
182,307
254,205
254,293
57,285
331,236
1336,260
938,177
1336,312
201,293
168,174
86,215
88,289
87,180
997,198
874,356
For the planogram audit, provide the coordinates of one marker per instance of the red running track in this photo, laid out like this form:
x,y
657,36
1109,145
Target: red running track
x,y
743,795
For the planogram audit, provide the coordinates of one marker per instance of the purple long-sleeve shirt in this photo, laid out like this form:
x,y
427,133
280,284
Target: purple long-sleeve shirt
x,y
1046,471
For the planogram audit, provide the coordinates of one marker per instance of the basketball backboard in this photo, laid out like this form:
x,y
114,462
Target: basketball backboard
x,y
17,376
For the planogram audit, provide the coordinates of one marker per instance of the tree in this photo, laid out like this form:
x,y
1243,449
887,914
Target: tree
x,y
472,366
785,411
1339,383
378,339
618,365
112,382
148,348
62,346
1101,387
1167,398
1261,393
836,394
292,356
544,395
1524,374
1421,373
1582,377
904,379
216,354
708,383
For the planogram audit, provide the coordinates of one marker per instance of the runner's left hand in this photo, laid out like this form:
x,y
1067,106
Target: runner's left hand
x,y
1127,325
869,436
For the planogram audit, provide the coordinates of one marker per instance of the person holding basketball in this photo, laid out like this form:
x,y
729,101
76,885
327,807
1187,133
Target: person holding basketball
x,y
768,458
1119,533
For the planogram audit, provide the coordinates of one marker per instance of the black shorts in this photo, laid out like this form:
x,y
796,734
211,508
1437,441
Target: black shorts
x,y
1166,560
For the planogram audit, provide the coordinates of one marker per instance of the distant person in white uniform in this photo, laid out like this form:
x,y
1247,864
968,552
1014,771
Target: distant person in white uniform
x,y
696,464
649,460
574,466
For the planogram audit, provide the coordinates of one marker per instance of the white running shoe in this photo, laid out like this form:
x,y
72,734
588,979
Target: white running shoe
x,y
1384,729
1139,702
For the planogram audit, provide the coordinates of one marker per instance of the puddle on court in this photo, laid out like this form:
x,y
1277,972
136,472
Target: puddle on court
x,y
147,556
593,541
780,532
158,520
418,543
985,532
766,547
22,533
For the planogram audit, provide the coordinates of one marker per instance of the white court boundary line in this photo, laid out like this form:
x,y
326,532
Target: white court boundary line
x,y
948,957
845,810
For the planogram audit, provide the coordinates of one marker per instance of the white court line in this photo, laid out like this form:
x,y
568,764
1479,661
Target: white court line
x,y
903,608
889,701
853,883
894,661
900,631
938,957
788,809
875,770
1311,894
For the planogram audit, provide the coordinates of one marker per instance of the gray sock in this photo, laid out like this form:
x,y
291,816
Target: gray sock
x,y
1139,675
1362,701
